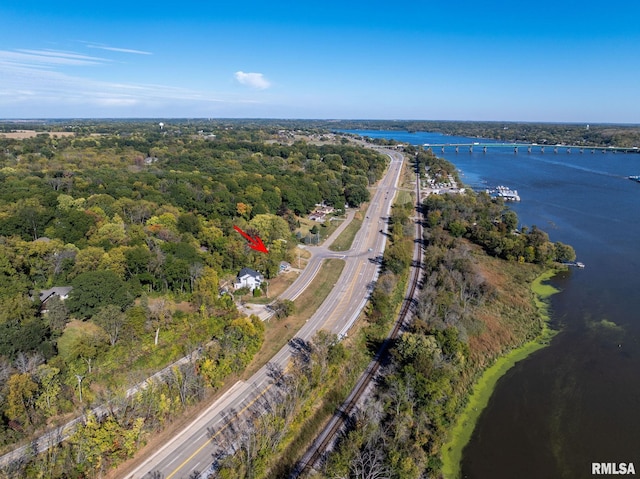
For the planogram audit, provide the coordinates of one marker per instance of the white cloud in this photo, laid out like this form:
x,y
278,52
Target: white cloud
x,y
253,80
116,49
47,58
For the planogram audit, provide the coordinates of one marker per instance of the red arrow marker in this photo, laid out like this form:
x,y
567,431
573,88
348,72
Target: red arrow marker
x,y
254,241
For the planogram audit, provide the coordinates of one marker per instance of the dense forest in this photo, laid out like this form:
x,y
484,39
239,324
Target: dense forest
x,y
137,218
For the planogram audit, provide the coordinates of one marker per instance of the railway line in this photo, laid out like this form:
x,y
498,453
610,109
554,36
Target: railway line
x,y
339,420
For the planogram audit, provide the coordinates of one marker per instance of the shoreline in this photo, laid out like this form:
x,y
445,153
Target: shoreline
x,y
461,432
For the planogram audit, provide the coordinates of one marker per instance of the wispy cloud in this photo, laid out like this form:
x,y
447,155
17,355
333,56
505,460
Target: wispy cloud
x,y
253,80
31,87
42,82
117,49
46,58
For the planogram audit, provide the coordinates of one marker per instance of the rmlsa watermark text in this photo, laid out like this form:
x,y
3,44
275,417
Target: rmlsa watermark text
x,y
609,468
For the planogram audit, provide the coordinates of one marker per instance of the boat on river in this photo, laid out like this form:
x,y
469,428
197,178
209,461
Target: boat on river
x,y
504,192
576,264
635,178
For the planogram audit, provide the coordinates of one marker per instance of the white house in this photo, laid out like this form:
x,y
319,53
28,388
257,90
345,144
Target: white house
x,y
248,278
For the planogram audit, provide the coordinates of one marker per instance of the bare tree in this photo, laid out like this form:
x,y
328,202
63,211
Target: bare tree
x,y
6,370
111,319
195,271
186,382
27,363
159,315
369,462
58,258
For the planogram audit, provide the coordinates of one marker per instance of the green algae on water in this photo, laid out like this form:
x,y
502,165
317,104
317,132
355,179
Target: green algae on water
x,y
460,434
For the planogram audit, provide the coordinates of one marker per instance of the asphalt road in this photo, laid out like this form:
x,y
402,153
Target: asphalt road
x,y
191,450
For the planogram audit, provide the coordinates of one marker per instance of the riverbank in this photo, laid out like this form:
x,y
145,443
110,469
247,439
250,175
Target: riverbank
x,y
481,392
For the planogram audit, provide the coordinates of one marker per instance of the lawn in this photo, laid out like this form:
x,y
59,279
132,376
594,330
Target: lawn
x,y
345,239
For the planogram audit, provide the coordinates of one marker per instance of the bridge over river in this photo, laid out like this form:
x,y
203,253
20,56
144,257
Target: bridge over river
x,y
529,147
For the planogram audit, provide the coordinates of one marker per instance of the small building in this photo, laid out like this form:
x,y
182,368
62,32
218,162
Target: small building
x,y
61,291
248,278
284,266
45,295
320,213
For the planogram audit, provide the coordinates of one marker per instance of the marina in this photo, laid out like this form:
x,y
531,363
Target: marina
x,y
503,192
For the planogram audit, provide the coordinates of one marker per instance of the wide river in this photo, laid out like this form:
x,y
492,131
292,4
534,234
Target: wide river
x,y
576,401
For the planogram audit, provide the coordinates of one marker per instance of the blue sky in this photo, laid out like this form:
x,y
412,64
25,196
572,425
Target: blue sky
x,y
560,61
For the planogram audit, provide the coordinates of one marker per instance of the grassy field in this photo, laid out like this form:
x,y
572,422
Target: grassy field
x,y
405,196
482,390
345,239
325,229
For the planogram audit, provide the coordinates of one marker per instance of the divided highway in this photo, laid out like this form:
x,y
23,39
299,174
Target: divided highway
x,y
190,450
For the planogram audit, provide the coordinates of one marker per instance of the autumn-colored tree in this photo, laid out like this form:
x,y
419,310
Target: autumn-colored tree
x,y
49,380
243,210
21,398
206,288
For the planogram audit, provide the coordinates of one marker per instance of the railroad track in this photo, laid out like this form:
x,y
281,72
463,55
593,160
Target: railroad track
x,y
342,415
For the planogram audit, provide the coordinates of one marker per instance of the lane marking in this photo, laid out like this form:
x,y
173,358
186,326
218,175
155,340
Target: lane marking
x,y
206,443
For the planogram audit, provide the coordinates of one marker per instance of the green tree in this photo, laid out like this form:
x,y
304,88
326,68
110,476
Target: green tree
x,y
88,259
82,340
283,308
563,253
270,227
98,443
188,223
95,289
57,314
356,194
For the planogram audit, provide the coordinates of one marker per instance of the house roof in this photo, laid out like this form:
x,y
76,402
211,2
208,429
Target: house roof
x,y
249,272
56,290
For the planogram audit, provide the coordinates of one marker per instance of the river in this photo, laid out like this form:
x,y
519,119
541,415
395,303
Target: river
x,y
576,401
